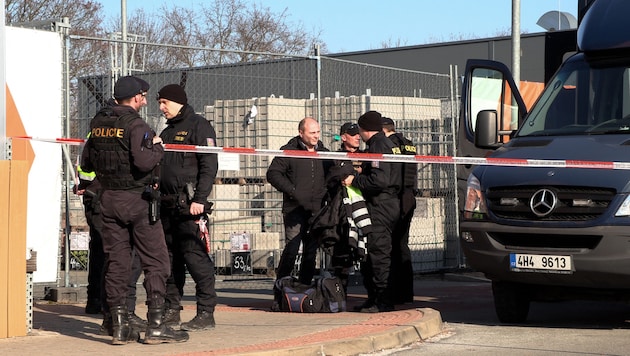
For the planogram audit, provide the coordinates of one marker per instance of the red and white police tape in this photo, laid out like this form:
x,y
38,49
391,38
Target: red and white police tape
x,y
481,161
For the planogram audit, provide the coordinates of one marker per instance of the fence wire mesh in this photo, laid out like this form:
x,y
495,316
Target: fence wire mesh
x,y
259,104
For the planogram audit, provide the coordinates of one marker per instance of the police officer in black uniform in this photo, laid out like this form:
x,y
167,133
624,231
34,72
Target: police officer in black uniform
x,y
402,268
123,151
380,184
186,183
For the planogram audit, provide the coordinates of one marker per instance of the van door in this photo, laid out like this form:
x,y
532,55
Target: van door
x,y
489,88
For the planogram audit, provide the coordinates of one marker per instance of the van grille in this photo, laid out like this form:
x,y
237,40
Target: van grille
x,y
573,203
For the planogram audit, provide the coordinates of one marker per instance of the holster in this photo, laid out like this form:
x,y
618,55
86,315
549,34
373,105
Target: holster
x,y
178,204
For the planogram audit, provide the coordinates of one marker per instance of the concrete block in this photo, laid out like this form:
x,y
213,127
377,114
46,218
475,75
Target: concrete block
x,y
67,294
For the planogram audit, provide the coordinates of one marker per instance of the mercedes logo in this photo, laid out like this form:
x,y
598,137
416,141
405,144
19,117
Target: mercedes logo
x,y
543,202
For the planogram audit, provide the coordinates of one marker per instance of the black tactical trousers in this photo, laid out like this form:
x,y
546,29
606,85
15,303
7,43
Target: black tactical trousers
x,y
125,224
376,269
188,252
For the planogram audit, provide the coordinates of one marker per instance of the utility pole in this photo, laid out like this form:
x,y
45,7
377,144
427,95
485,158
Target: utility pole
x,y
123,29
516,41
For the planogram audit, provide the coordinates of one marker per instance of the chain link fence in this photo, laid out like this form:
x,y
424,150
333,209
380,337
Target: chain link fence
x,y
259,104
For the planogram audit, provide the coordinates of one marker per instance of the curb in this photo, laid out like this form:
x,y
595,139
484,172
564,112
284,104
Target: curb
x,y
429,325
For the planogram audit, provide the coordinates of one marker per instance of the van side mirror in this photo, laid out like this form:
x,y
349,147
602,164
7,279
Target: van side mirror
x,y
486,129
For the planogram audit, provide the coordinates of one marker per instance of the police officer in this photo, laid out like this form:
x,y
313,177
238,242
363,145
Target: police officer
x,y
186,183
402,268
123,151
90,189
380,183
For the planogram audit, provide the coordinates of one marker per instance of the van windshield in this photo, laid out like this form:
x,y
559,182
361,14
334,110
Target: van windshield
x,y
582,99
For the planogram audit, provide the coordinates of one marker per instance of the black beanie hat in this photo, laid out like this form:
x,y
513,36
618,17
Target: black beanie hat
x,y
173,92
371,121
127,87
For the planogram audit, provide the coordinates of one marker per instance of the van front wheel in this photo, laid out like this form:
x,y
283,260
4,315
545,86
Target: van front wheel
x,y
511,302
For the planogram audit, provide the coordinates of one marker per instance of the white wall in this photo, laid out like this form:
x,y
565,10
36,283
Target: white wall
x,y
34,77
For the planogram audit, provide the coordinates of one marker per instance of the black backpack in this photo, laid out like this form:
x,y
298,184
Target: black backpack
x,y
333,293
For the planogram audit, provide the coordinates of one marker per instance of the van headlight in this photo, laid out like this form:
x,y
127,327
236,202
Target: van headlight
x,y
475,206
624,209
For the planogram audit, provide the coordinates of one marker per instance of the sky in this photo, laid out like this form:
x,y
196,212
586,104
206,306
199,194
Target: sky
x,y
351,25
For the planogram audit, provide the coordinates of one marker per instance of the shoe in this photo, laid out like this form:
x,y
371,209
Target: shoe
x,y
122,332
159,333
204,320
378,308
107,327
367,304
137,322
171,317
93,306
275,306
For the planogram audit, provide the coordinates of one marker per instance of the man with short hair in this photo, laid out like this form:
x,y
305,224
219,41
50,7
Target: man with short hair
x,y
124,152
302,182
380,184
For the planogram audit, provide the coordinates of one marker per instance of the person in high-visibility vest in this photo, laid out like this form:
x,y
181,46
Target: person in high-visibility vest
x,y
89,188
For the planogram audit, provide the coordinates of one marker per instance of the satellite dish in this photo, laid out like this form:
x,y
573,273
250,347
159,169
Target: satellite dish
x,y
557,21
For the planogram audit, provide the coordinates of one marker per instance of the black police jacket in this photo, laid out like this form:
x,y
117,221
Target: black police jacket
x,y
379,179
180,168
120,149
410,170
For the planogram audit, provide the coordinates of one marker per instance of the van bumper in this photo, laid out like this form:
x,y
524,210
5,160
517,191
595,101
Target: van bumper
x,y
604,263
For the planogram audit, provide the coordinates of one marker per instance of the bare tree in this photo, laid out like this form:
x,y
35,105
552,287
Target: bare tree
x,y
227,29
216,32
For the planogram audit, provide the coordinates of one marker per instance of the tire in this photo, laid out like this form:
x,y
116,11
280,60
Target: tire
x,y
511,302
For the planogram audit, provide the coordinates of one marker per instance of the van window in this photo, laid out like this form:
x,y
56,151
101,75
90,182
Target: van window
x,y
582,99
488,87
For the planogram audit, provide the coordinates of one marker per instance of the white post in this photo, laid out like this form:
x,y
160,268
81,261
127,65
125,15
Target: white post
x,y
4,150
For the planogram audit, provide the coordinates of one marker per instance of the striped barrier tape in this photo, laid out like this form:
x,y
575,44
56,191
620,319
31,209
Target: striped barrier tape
x,y
479,161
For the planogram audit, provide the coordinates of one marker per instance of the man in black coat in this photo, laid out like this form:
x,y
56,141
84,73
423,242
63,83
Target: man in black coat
x,y
402,268
186,182
380,184
303,184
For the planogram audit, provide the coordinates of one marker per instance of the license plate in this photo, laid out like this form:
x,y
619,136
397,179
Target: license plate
x,y
540,263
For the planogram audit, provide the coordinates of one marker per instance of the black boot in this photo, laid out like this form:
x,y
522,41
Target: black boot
x,y
382,303
171,317
137,322
122,332
157,332
107,327
204,320
370,302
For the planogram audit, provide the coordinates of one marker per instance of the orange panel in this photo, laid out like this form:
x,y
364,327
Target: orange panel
x,y
21,149
4,246
16,281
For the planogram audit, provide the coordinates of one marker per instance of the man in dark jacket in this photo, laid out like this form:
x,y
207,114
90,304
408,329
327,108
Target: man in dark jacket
x,y
124,151
303,184
402,268
380,183
186,182
342,255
